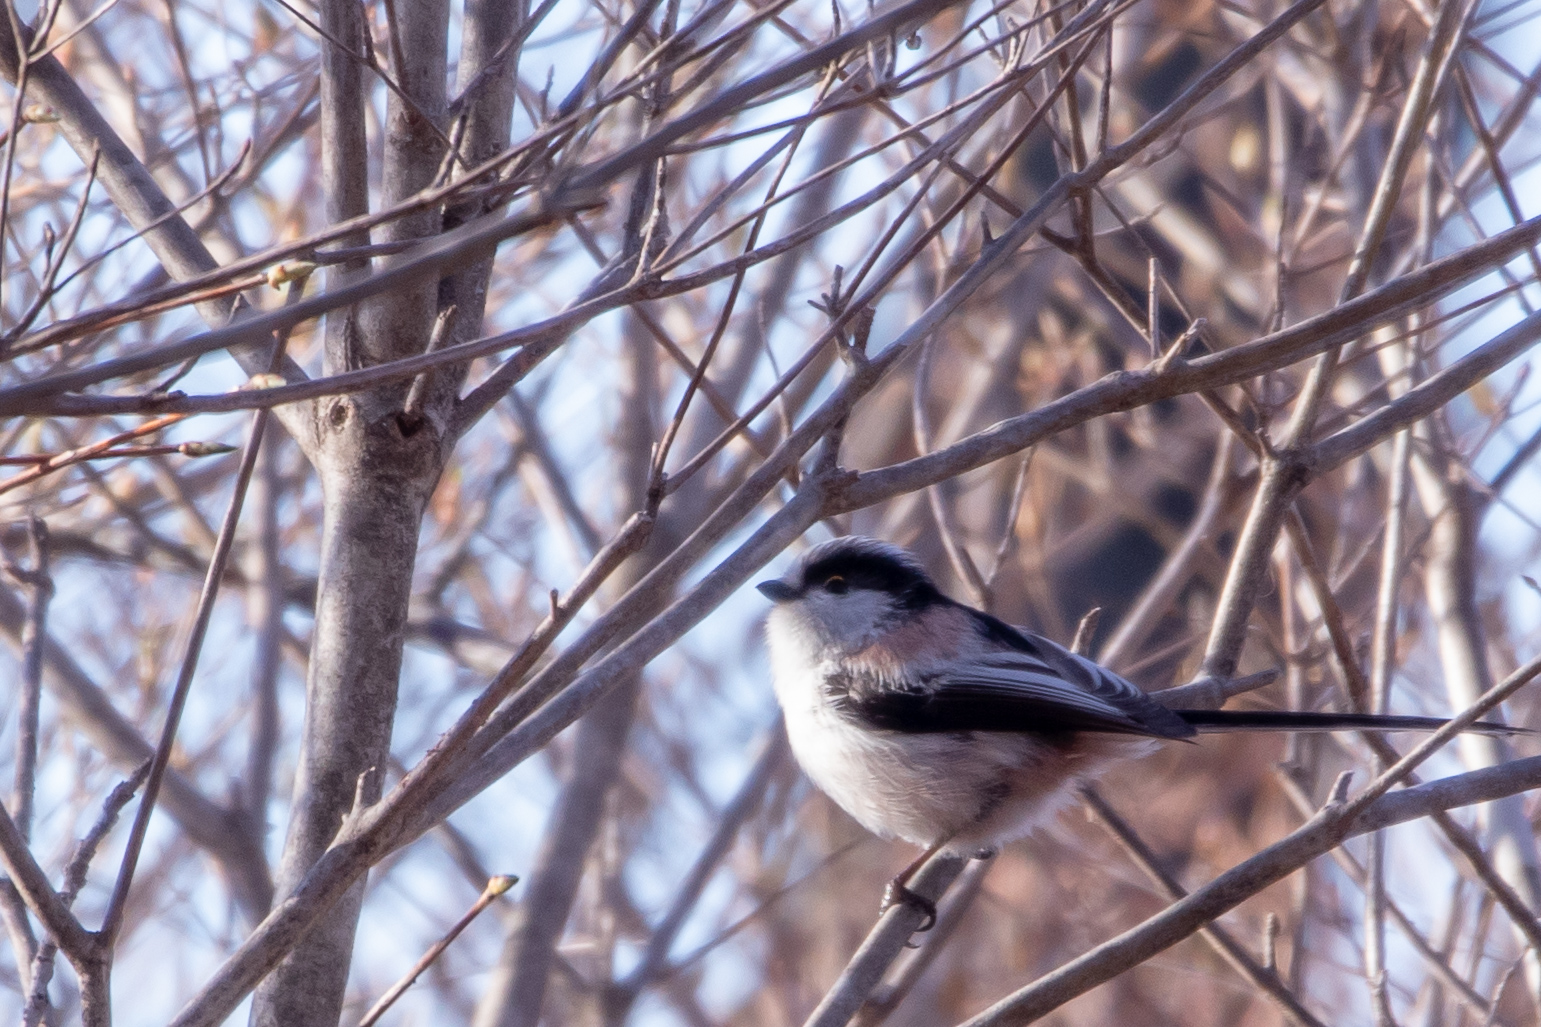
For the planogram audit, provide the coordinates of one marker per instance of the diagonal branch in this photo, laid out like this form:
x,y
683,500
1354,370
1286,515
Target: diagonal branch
x,y
132,188
1337,821
74,940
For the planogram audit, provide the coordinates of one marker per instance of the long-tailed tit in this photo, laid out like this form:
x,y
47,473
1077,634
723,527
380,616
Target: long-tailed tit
x,y
934,722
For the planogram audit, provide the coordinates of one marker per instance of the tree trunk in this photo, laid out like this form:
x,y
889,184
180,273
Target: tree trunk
x,y
376,483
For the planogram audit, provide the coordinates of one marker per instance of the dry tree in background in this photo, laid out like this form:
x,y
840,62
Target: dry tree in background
x,y
397,396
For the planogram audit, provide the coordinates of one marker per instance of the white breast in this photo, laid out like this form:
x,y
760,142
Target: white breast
x,y
974,789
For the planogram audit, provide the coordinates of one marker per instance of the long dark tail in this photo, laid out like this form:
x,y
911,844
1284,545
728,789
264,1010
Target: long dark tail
x,y
1210,721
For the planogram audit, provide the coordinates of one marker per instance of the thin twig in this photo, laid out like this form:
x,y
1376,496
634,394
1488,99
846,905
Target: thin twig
x,y
1339,819
495,887
74,880
40,587
58,461
1262,977
112,919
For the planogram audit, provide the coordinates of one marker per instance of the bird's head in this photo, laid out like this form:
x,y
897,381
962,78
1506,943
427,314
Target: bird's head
x,y
846,591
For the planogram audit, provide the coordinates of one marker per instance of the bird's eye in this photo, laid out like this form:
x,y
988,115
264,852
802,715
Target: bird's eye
x,y
835,584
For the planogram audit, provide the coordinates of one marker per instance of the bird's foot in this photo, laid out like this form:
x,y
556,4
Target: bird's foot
x,y
896,894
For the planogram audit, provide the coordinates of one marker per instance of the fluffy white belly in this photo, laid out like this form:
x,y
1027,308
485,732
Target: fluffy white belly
x,y
969,789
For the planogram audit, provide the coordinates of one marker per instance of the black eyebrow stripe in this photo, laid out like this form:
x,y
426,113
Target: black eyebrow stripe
x,y
877,572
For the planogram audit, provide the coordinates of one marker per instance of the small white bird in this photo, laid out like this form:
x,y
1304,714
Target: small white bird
x,y
934,722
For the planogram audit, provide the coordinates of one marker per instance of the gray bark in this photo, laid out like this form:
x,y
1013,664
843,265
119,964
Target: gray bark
x,y
376,483
377,472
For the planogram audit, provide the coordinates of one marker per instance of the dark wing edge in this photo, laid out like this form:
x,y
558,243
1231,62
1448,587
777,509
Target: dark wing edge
x,y
942,713
1007,692
1088,676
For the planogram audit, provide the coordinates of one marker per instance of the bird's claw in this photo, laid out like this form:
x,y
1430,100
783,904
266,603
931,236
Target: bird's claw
x,y
896,894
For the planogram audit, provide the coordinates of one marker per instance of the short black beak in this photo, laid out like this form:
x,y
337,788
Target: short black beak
x,y
777,591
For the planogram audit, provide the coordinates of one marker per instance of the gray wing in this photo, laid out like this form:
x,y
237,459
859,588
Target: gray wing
x,y
1036,687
